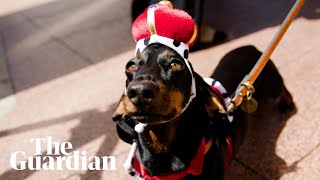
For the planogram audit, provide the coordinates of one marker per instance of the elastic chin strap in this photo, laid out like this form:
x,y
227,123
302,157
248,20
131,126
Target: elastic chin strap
x,y
183,50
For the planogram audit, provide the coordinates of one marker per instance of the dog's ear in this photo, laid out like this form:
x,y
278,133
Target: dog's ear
x,y
208,96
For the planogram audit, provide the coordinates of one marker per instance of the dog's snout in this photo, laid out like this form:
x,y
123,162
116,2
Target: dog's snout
x,y
142,92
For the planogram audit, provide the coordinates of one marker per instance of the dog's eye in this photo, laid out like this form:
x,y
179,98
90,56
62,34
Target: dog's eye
x,y
132,66
175,66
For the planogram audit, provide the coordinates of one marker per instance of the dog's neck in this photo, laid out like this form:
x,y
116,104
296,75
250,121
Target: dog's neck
x,y
170,147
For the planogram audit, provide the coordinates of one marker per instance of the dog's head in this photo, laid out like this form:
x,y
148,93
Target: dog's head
x,y
158,85
160,80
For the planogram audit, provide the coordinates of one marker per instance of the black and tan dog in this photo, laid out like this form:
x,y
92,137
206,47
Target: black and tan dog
x,y
157,89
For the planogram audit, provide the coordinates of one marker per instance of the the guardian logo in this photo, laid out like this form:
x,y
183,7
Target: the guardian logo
x,y
58,157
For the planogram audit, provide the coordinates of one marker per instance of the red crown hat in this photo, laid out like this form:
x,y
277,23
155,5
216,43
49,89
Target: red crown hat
x,y
165,21
160,23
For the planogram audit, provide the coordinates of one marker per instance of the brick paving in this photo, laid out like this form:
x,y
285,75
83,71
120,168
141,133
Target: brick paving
x,y
62,72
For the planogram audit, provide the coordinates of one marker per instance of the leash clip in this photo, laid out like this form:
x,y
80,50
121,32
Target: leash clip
x,y
249,87
244,93
249,104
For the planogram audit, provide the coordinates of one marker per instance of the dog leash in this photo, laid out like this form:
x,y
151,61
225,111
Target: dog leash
x,y
243,94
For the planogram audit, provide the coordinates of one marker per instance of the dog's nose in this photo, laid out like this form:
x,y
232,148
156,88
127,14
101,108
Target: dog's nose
x,y
142,92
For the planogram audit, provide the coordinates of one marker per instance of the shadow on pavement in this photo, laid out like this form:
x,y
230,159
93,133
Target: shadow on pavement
x,y
257,158
93,124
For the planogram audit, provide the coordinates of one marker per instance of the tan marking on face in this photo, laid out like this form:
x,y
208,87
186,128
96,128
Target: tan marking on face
x,y
167,101
176,99
120,109
139,55
167,54
128,106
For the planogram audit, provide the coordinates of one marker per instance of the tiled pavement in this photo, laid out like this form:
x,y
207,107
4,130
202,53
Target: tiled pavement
x,y
66,61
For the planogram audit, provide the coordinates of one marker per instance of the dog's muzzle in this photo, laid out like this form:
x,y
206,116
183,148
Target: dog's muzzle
x,y
142,92
183,50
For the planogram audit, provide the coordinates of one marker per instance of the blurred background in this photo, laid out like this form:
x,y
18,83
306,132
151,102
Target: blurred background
x,y
62,73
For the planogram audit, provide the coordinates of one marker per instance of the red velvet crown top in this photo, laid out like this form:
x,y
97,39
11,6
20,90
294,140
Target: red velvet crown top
x,y
167,22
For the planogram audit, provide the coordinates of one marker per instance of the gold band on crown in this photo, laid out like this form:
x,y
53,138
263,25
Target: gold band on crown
x,y
194,35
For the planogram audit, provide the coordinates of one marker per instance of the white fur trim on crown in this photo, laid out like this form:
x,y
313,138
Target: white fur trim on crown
x,y
181,48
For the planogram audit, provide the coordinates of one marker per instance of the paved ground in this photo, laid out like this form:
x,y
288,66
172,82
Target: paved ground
x,y
66,61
